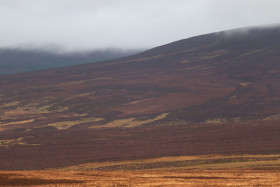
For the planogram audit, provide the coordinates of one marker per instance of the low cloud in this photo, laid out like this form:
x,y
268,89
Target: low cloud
x,y
95,24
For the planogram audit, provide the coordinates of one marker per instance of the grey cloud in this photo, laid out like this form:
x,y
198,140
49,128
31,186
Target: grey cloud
x,y
95,24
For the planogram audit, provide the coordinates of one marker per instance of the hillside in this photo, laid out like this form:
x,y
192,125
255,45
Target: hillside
x,y
211,94
20,60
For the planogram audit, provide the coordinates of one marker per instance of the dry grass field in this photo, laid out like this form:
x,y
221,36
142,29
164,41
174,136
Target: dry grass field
x,y
203,170
236,177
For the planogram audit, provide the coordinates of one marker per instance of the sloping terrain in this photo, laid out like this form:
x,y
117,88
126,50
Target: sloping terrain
x,y
212,94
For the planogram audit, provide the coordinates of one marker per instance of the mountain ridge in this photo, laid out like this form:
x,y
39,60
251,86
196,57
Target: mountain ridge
x,y
16,60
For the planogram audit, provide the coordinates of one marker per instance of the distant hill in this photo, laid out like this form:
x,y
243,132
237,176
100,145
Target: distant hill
x,y
20,60
217,93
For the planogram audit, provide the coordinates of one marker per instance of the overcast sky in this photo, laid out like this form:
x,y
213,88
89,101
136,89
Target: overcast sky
x,y
97,24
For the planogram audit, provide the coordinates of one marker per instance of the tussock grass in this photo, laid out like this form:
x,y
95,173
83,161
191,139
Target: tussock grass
x,y
17,141
130,122
17,122
67,124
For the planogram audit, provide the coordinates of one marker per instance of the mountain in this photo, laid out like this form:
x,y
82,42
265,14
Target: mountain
x,y
20,60
212,94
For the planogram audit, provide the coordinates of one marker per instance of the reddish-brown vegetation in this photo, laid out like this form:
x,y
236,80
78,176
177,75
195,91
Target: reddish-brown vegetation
x,y
205,95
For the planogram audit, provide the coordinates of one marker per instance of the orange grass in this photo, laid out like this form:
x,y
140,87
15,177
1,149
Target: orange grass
x,y
233,177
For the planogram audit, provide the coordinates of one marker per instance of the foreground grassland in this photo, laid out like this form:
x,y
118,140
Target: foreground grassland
x,y
203,170
226,177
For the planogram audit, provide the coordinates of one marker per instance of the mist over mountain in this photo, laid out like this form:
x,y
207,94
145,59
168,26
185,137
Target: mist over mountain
x,y
211,94
15,60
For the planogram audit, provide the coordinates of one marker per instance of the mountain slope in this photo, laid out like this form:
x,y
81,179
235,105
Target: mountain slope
x,y
221,90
